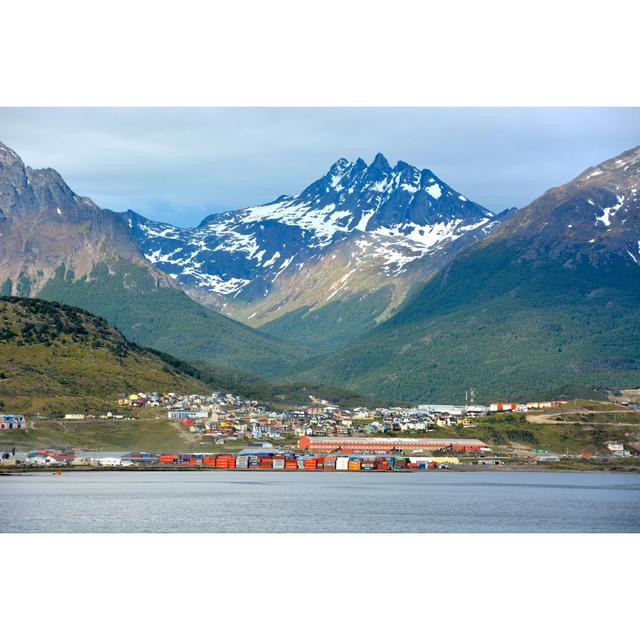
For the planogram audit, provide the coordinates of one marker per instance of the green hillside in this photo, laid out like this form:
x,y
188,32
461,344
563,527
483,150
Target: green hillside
x,y
514,329
167,319
55,358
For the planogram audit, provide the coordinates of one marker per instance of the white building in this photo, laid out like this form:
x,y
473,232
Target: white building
x,y
101,458
180,414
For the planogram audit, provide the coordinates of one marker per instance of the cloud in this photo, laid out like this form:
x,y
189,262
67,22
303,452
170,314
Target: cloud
x,y
178,165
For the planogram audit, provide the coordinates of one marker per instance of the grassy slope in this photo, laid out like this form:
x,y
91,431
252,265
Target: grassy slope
x,y
580,327
168,320
55,358
138,435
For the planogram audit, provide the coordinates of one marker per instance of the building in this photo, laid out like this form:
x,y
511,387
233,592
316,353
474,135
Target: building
x,y
12,422
184,414
73,416
539,405
101,458
381,445
503,406
451,409
48,456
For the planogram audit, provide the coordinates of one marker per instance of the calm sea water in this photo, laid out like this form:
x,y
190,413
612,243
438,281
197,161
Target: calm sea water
x,y
268,502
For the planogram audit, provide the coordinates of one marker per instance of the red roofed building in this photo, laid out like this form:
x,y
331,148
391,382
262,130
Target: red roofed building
x,y
384,445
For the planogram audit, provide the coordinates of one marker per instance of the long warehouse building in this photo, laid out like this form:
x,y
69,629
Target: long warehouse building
x,y
379,445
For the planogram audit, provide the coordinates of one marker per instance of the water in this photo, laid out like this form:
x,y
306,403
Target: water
x,y
236,501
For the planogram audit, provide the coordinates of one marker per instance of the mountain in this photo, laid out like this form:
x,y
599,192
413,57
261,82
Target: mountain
x,y
550,298
59,358
44,224
61,246
321,267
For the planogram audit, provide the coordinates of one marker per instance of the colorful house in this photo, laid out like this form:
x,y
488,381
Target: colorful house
x,y
12,422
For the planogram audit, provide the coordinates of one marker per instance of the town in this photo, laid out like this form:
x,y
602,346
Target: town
x,y
243,434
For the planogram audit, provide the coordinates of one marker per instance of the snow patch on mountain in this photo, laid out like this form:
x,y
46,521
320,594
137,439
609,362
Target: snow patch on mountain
x,y
608,212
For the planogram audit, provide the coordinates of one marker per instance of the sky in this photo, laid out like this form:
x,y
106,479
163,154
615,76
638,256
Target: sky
x,y
178,165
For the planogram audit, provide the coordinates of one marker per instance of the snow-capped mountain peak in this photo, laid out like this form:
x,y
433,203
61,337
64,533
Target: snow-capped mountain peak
x,y
402,212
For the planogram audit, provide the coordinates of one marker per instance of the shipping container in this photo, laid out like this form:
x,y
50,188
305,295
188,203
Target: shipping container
x,y
354,465
223,462
342,464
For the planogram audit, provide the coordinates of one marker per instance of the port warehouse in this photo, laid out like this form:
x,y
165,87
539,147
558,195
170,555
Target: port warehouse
x,y
388,445
262,459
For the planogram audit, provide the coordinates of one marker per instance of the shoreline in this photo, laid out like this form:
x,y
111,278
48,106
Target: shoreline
x,y
7,471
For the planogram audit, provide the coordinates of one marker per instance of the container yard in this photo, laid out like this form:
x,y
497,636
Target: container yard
x,y
267,460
